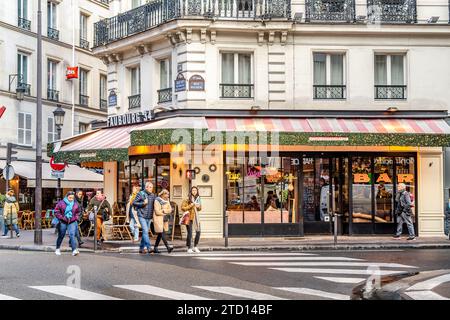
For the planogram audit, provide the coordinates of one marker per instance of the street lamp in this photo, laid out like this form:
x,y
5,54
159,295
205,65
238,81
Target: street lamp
x,y
58,115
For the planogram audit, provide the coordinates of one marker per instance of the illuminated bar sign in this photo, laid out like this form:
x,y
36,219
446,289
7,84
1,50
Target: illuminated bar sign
x,y
130,118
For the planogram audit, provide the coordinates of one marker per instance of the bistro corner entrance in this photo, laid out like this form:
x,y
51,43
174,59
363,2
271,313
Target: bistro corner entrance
x,y
297,194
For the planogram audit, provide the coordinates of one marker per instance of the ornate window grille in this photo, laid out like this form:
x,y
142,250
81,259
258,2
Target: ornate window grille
x,y
84,44
165,95
52,95
329,92
134,101
392,11
330,10
84,100
24,23
53,33
236,90
383,92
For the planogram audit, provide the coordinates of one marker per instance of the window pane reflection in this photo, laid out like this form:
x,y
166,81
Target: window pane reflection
x,y
361,190
384,189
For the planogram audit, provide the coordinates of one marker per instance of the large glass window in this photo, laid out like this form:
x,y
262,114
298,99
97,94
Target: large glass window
x,y
51,15
236,68
405,167
136,172
51,74
22,68
362,189
384,189
51,130
123,183
389,69
165,74
24,129
135,74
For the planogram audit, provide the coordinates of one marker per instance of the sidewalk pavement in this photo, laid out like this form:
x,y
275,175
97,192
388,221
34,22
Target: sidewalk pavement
x,y
26,243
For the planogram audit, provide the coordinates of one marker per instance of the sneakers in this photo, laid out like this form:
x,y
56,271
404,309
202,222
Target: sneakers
x,y
396,237
155,250
169,250
196,250
5,237
18,235
75,252
58,252
190,250
411,238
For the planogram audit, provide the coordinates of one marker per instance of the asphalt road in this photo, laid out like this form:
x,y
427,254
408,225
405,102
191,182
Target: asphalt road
x,y
213,275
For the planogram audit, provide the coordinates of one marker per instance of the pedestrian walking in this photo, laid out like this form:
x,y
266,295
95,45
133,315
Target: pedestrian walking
x,y
10,214
99,209
67,211
404,212
160,219
132,216
144,204
192,205
79,197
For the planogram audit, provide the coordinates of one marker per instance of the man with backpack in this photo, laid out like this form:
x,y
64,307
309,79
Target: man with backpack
x,y
144,204
404,212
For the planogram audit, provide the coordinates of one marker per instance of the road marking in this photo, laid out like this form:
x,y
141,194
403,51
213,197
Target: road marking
x,y
4,297
161,292
240,293
319,293
331,263
281,258
74,293
238,254
342,279
425,295
335,271
430,283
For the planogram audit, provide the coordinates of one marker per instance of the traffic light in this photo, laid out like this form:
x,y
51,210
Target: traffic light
x,y
9,153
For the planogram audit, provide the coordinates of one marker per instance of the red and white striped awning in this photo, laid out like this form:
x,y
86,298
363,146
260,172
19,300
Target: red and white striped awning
x,y
341,125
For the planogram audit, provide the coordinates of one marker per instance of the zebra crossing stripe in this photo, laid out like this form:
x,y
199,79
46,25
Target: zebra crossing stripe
x,y
230,254
5,297
335,271
318,293
73,293
425,295
241,293
161,292
342,279
321,264
280,258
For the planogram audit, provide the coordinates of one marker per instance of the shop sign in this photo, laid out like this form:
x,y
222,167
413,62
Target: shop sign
x,y
233,177
196,83
315,139
112,99
361,178
88,155
405,178
384,177
72,73
253,172
130,118
180,83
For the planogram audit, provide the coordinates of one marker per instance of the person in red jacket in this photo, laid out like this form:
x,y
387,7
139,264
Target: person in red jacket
x,y
67,211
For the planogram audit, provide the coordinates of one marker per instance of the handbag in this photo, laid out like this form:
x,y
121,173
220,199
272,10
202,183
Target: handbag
x,y
185,219
93,213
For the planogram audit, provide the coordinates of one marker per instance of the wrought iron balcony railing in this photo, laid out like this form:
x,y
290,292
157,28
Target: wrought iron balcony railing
x,y
390,92
103,104
84,44
158,12
329,92
135,101
24,23
52,95
53,33
165,95
84,100
25,87
392,11
330,10
236,90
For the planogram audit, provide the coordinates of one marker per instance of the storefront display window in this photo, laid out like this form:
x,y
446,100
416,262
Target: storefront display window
x,y
405,167
123,183
362,189
384,189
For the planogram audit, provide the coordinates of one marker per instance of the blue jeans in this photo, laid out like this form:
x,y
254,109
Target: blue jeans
x,y
15,228
134,228
63,228
145,241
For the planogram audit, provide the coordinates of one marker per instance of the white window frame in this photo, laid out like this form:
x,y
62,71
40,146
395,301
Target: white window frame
x,y
51,135
388,67
169,76
103,87
52,82
22,10
137,90
236,65
86,83
25,129
328,55
52,15
86,125
84,32
20,70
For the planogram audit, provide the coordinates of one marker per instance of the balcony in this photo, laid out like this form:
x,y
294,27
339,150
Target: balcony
x,y
84,100
25,87
165,95
103,104
84,44
158,12
52,95
135,101
244,91
53,33
392,11
322,92
383,92
330,10
24,23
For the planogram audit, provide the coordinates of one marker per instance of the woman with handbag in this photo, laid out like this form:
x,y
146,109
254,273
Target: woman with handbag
x,y
132,217
10,213
67,211
190,207
100,209
160,223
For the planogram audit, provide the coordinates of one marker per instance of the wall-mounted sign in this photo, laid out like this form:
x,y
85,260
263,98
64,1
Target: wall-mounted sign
x,y
130,118
72,73
312,139
112,99
180,83
196,83
88,155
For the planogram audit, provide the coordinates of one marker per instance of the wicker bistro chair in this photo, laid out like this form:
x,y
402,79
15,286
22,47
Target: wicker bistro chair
x,y
120,230
28,220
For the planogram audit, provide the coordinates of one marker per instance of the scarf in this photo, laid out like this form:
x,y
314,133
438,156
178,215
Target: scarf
x,y
11,199
132,197
161,201
69,207
196,200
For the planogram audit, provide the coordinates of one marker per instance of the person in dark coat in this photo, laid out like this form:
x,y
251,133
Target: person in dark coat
x,y
67,211
79,198
144,204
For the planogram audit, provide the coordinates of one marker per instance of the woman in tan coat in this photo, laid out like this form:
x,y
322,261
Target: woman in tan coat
x,y
161,209
192,205
10,213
